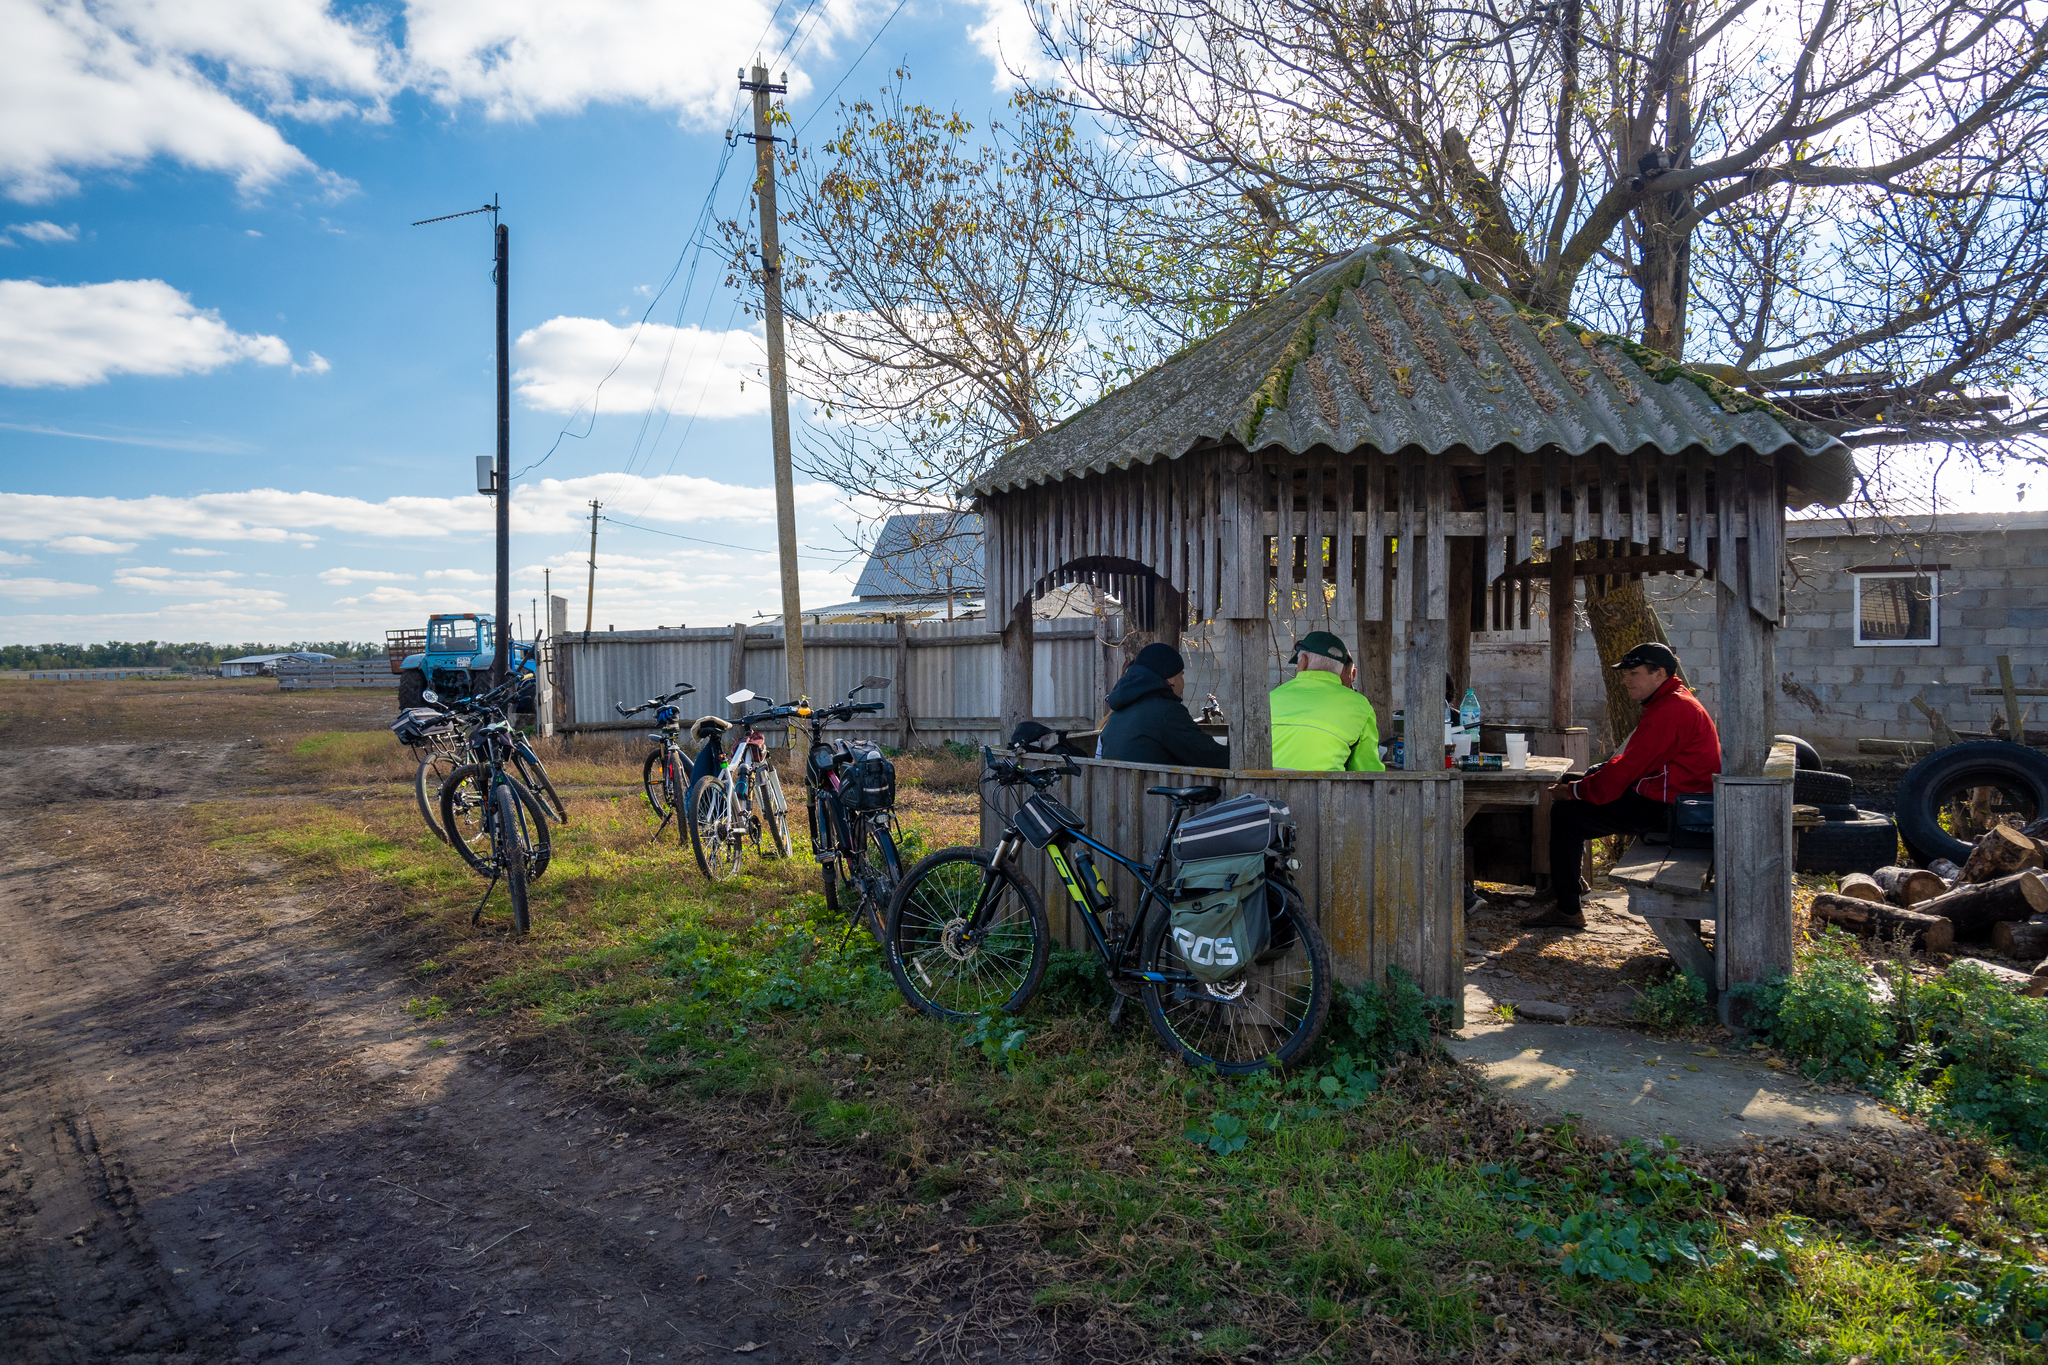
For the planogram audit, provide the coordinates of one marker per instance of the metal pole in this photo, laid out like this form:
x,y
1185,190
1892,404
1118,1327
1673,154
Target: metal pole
x,y
590,599
501,659
778,384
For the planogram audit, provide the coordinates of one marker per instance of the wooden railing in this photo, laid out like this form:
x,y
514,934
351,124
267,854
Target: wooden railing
x,y
1381,858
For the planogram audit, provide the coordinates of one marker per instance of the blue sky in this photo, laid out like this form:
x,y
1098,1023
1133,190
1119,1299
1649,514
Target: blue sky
x,y
240,398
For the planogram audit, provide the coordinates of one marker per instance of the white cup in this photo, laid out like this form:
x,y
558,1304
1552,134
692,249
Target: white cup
x,y
1518,751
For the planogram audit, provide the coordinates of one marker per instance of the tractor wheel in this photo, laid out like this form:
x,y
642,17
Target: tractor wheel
x,y
412,684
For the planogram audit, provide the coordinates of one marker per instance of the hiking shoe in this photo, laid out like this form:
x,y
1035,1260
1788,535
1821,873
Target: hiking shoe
x,y
1554,918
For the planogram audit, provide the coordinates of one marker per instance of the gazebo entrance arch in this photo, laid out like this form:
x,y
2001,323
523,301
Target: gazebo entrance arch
x,y
1377,448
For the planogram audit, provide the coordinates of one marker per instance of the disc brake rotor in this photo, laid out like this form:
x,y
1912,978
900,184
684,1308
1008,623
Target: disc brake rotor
x,y
955,940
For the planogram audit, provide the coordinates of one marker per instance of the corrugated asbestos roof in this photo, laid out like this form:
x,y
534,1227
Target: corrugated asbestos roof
x,y
926,554
1375,351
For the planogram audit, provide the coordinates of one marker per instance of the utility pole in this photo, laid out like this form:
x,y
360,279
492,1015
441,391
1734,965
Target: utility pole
x,y
501,660
590,600
778,378
501,476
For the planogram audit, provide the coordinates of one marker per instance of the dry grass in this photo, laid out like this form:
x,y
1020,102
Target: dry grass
x,y
34,713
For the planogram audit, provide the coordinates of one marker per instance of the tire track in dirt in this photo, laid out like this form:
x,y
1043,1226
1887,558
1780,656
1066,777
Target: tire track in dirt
x,y
223,1138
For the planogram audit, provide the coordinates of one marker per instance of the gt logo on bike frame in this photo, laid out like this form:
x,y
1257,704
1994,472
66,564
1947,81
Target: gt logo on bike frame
x,y
1203,952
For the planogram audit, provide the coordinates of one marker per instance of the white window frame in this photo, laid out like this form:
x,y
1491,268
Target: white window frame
x,y
1933,577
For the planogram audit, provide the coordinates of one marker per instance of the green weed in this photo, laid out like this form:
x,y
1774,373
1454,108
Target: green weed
x,y
1678,1001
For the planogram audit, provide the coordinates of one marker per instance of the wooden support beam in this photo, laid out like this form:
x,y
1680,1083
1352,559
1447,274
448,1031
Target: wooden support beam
x,y
1752,882
1013,678
1611,567
1564,616
904,725
736,664
1244,697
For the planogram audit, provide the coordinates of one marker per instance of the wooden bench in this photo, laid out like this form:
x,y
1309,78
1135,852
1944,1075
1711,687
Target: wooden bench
x,y
1671,889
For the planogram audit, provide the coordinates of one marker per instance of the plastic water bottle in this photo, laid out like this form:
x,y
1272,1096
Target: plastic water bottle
x,y
1468,716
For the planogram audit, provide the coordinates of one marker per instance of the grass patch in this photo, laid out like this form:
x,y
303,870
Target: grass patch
x,y
1375,1201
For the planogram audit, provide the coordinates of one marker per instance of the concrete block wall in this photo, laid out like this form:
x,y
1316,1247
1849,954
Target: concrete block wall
x,y
1993,600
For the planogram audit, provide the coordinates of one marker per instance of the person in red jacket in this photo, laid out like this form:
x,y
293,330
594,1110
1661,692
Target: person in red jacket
x,y
1675,750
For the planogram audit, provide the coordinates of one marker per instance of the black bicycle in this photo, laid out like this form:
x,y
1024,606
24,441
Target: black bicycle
x,y
665,776
967,933
493,819
852,824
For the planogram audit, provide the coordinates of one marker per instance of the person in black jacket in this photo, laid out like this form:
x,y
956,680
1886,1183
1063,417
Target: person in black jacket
x,y
1149,723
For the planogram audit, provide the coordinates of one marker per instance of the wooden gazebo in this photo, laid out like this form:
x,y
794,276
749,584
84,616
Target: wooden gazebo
x,y
1388,449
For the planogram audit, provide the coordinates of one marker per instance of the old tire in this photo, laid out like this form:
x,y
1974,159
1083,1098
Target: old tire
x,y
2019,776
1814,787
1804,754
412,687
1864,844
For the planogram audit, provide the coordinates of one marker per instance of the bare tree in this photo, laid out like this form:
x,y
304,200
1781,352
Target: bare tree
x,y
935,312
1775,192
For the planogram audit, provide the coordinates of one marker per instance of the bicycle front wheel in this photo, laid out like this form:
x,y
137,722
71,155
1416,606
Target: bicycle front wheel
x,y
426,790
966,936
715,829
654,781
510,820
466,797
774,808
1263,1017
533,774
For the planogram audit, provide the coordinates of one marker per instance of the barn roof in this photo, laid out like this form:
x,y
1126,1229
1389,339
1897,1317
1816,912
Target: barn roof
x,y
1379,351
926,554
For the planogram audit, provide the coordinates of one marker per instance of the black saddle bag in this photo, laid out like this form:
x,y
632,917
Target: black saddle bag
x,y
1691,821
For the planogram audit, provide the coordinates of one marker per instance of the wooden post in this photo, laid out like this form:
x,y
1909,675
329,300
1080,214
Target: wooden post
x,y
1375,647
1422,687
1246,701
1564,618
1458,640
2014,717
1752,881
1014,672
1746,710
736,665
904,724
558,659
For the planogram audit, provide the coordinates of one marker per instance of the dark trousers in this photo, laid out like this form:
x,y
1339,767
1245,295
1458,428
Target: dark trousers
x,y
1574,822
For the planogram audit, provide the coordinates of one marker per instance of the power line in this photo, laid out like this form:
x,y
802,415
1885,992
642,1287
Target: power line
x,y
826,102
699,540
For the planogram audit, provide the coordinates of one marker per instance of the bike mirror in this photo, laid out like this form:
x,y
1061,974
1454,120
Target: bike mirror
x,y
431,697
871,680
735,698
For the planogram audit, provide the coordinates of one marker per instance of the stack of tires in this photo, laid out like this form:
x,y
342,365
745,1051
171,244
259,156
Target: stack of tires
x,y
1848,839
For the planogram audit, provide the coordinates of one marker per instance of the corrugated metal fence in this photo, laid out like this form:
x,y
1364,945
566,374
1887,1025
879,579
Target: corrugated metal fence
x,y
943,675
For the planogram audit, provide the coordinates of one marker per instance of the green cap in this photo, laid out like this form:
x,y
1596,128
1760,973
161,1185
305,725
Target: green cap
x,y
1323,643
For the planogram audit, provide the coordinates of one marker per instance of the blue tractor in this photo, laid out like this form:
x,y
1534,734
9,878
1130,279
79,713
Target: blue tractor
x,y
456,662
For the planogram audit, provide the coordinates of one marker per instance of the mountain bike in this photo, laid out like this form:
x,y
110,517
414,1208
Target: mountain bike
x,y
665,776
852,834
967,933
741,797
493,819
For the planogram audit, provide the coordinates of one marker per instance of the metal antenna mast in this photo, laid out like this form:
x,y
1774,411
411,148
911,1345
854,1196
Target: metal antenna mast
x,y
501,478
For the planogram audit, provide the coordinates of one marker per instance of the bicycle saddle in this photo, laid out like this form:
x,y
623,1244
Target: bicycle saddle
x,y
1189,796
707,726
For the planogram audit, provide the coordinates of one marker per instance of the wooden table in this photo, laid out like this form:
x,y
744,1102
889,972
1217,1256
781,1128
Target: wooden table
x,y
1510,788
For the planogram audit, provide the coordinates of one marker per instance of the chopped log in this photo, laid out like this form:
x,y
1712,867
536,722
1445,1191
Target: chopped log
x,y
1974,909
2021,938
1908,885
2018,980
2000,853
1877,919
1862,887
1946,870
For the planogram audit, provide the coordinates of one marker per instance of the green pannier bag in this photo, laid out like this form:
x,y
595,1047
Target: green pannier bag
x,y
1219,920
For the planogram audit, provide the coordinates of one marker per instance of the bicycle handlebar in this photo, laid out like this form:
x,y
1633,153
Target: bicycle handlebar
x,y
682,690
1009,772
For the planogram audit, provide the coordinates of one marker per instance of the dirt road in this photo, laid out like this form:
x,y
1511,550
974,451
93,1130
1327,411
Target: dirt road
x,y
223,1137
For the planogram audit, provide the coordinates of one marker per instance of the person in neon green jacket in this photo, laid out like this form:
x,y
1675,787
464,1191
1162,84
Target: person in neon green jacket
x,y
1320,724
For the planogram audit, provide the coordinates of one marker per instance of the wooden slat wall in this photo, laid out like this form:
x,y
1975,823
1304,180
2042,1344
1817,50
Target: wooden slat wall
x,y
1381,859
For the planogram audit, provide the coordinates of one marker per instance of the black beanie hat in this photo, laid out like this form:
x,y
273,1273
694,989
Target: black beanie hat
x,y
1164,660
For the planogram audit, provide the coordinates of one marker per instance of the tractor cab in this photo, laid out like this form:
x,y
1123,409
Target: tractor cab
x,y
456,661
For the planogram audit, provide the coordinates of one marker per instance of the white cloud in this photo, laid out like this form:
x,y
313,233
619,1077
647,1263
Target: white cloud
x,y
457,575
9,558
252,232
196,550
113,88
69,335
344,576
411,601
1005,36
562,361
315,364
35,589
184,582
41,231
90,545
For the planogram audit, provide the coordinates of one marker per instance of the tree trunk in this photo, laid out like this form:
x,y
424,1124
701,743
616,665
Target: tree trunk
x,y
2000,853
1946,870
1875,919
1621,618
2026,938
1975,909
1909,885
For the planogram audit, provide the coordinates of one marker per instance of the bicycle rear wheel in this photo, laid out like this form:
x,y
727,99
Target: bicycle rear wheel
x,y
773,806
465,796
426,789
533,774
654,780
952,963
1265,1016
509,815
714,830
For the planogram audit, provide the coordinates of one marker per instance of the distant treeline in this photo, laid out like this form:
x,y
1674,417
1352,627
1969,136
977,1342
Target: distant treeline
x,y
163,654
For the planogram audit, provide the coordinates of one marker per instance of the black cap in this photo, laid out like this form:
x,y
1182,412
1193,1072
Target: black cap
x,y
1324,643
1164,660
1650,654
